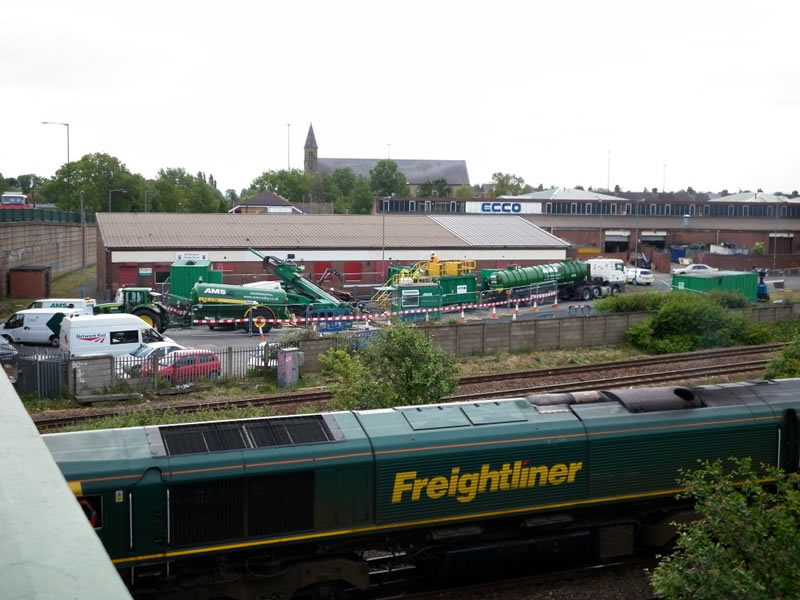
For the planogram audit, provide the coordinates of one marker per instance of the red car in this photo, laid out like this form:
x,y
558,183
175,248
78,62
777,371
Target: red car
x,y
187,365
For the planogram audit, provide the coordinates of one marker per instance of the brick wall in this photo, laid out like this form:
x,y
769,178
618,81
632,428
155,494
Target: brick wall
x,y
57,245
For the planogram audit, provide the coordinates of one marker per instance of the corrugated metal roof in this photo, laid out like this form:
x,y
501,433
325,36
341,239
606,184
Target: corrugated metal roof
x,y
499,231
563,194
416,171
755,197
584,222
187,231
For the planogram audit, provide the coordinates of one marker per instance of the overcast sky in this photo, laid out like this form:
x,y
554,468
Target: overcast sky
x,y
701,94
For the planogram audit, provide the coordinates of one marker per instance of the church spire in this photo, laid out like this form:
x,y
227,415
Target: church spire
x,y
310,164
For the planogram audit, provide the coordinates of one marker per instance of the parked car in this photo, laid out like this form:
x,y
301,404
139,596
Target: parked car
x,y
256,360
639,276
182,366
129,365
8,354
693,268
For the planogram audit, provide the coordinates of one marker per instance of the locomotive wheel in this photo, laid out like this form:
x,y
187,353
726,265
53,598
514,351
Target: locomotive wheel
x,y
150,317
586,294
259,320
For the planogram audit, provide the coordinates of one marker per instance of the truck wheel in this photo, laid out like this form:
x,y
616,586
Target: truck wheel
x,y
257,316
149,316
615,290
54,341
596,291
586,294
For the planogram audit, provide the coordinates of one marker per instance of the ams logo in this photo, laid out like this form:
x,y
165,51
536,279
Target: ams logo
x,y
464,487
218,291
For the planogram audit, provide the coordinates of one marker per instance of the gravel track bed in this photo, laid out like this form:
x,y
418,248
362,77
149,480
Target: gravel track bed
x,y
510,384
159,404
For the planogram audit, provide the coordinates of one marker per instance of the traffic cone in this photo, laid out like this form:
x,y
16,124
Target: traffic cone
x,y
494,312
534,308
555,302
516,310
514,316
314,332
462,319
389,323
261,333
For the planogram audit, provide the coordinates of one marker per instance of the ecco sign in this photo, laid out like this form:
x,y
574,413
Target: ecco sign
x,y
501,207
504,208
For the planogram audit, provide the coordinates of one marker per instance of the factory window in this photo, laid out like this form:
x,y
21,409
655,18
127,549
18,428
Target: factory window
x,y
588,208
427,206
454,207
573,208
691,210
770,211
653,209
613,208
745,211
548,208
731,210
667,209
385,206
628,208
706,210
783,210
412,206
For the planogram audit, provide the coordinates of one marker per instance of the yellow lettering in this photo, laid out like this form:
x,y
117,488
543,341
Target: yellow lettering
x,y
468,487
573,470
419,485
437,487
402,483
558,474
453,481
487,476
505,474
515,476
533,472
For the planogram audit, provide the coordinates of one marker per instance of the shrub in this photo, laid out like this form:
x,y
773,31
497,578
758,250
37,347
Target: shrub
x,y
728,299
400,367
688,322
643,302
786,363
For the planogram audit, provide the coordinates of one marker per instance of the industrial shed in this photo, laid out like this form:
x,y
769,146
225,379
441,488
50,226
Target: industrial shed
x,y
138,248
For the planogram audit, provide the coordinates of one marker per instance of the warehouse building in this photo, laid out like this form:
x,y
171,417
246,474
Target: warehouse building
x,y
138,248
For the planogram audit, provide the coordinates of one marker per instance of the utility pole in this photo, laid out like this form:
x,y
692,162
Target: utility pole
x,y
288,152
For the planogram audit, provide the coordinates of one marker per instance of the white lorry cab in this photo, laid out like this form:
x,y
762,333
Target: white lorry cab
x,y
36,325
611,270
84,305
114,334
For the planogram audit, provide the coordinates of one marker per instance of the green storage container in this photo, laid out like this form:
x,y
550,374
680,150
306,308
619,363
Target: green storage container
x,y
417,295
183,274
743,282
458,289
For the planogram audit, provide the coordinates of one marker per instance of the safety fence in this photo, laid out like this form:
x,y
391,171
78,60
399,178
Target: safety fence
x,y
44,215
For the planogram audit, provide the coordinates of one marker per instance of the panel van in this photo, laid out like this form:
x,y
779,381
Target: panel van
x,y
84,305
115,334
36,325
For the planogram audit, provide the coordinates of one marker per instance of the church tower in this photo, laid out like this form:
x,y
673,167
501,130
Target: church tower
x,y
310,165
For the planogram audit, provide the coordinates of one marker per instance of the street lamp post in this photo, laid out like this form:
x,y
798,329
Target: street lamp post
x,y
775,239
83,247
109,196
69,170
636,252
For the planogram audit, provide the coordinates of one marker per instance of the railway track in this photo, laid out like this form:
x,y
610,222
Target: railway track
x,y
49,422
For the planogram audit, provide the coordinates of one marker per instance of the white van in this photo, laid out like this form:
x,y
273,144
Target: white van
x,y
115,334
84,305
36,325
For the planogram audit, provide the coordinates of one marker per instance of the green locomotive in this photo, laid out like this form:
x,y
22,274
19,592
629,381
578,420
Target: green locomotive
x,y
281,504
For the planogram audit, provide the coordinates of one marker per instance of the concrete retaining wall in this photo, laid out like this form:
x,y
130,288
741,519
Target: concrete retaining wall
x,y
34,244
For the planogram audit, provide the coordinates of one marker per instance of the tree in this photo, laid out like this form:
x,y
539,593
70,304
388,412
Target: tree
x,y
28,183
94,175
747,543
178,191
400,367
437,188
291,184
507,184
463,191
231,197
385,179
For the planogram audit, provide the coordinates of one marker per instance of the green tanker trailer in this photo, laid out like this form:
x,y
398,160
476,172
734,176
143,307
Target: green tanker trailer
x,y
574,279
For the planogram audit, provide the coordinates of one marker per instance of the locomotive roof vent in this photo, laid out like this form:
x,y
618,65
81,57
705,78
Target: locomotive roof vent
x,y
219,436
639,400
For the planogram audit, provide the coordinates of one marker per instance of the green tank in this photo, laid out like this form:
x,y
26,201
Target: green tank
x,y
219,293
562,272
